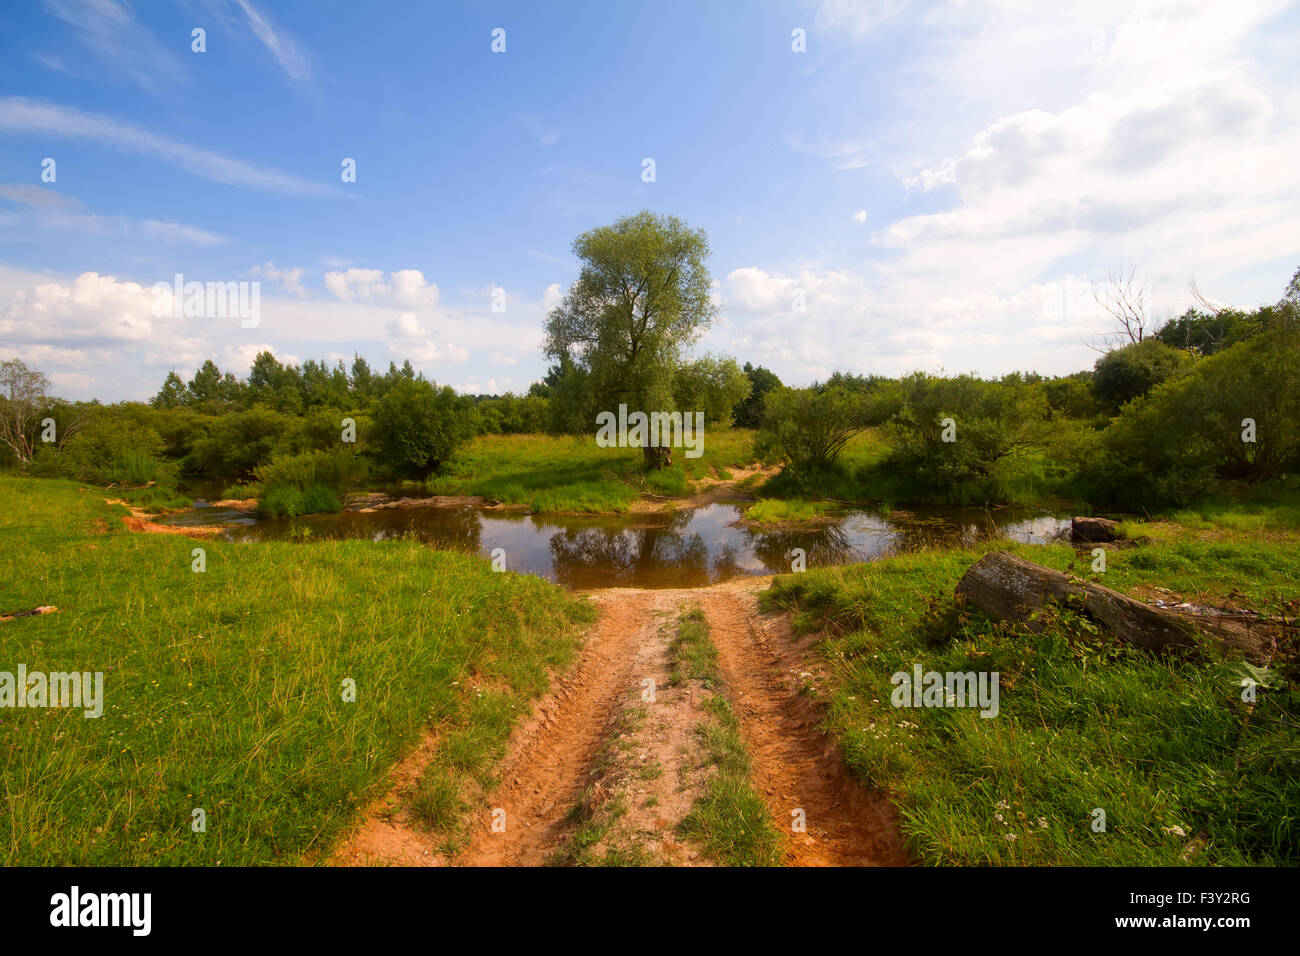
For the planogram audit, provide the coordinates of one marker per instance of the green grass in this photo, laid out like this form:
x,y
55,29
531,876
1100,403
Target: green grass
x,y
223,689
863,474
551,474
729,820
155,499
780,511
1084,723
691,655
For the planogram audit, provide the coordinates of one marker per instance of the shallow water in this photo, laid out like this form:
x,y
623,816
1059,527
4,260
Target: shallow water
x,y
683,549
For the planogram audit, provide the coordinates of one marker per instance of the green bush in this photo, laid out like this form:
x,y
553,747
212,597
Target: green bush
x,y
310,483
1177,443
807,427
135,466
107,445
1132,371
289,501
418,426
992,423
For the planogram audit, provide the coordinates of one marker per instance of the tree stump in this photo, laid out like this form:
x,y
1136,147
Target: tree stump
x,y
1009,588
1093,529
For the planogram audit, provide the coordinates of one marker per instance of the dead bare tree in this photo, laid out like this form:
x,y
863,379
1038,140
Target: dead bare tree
x,y
1211,307
1124,298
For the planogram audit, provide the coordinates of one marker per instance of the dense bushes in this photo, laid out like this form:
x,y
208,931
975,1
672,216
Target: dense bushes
x,y
313,482
1175,444
110,445
512,415
1132,371
418,426
808,428
955,432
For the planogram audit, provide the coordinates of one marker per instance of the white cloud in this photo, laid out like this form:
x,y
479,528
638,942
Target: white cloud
x,y
405,287
293,61
289,279
73,380
18,114
405,326
178,232
37,196
856,18
127,46
239,358
860,216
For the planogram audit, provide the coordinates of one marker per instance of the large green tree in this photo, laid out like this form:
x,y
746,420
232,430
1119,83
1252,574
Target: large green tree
x,y
642,296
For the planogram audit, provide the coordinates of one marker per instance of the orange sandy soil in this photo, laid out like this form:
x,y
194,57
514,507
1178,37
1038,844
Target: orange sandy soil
x,y
553,757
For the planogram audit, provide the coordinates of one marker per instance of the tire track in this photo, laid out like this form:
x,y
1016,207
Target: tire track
x,y
796,765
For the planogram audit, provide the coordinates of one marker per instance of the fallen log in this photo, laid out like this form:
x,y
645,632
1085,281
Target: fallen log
x,y
1009,588
1093,529
43,609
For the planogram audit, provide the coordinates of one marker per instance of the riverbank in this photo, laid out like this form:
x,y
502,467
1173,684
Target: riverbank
x,y
1100,754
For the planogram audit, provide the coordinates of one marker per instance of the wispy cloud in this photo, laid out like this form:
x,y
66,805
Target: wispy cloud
x,y
178,232
126,45
36,196
283,47
55,210
18,114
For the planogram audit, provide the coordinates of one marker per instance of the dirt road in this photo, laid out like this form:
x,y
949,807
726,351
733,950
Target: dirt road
x,y
556,756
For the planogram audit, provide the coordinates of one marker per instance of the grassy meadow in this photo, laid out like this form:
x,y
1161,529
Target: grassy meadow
x,y
574,474
1186,772
224,689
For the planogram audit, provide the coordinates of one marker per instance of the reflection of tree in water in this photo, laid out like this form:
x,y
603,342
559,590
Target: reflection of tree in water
x,y
655,556
725,564
453,529
823,546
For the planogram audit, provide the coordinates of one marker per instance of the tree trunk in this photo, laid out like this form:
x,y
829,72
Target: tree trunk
x,y
1009,588
656,457
1094,529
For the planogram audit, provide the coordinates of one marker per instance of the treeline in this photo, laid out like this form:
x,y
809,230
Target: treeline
x,y
302,437
1154,424
1208,399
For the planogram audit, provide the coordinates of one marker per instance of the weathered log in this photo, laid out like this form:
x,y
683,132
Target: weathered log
x,y
43,609
1009,588
1093,529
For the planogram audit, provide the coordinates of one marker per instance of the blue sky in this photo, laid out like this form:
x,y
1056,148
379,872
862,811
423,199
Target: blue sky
x,y
939,183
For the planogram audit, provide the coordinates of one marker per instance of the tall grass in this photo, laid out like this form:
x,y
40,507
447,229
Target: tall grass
x,y
1165,746
225,689
553,474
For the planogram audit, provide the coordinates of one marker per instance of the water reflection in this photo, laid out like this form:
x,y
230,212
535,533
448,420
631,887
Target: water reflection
x,y
679,549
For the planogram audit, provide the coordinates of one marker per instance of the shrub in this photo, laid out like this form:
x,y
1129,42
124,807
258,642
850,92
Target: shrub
x,y
419,425
991,423
1173,445
309,483
1132,371
808,428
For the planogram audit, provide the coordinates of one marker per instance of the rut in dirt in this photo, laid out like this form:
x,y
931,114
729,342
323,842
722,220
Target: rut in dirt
x,y
796,767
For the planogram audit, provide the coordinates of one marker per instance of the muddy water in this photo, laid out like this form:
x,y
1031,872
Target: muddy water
x,y
684,549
